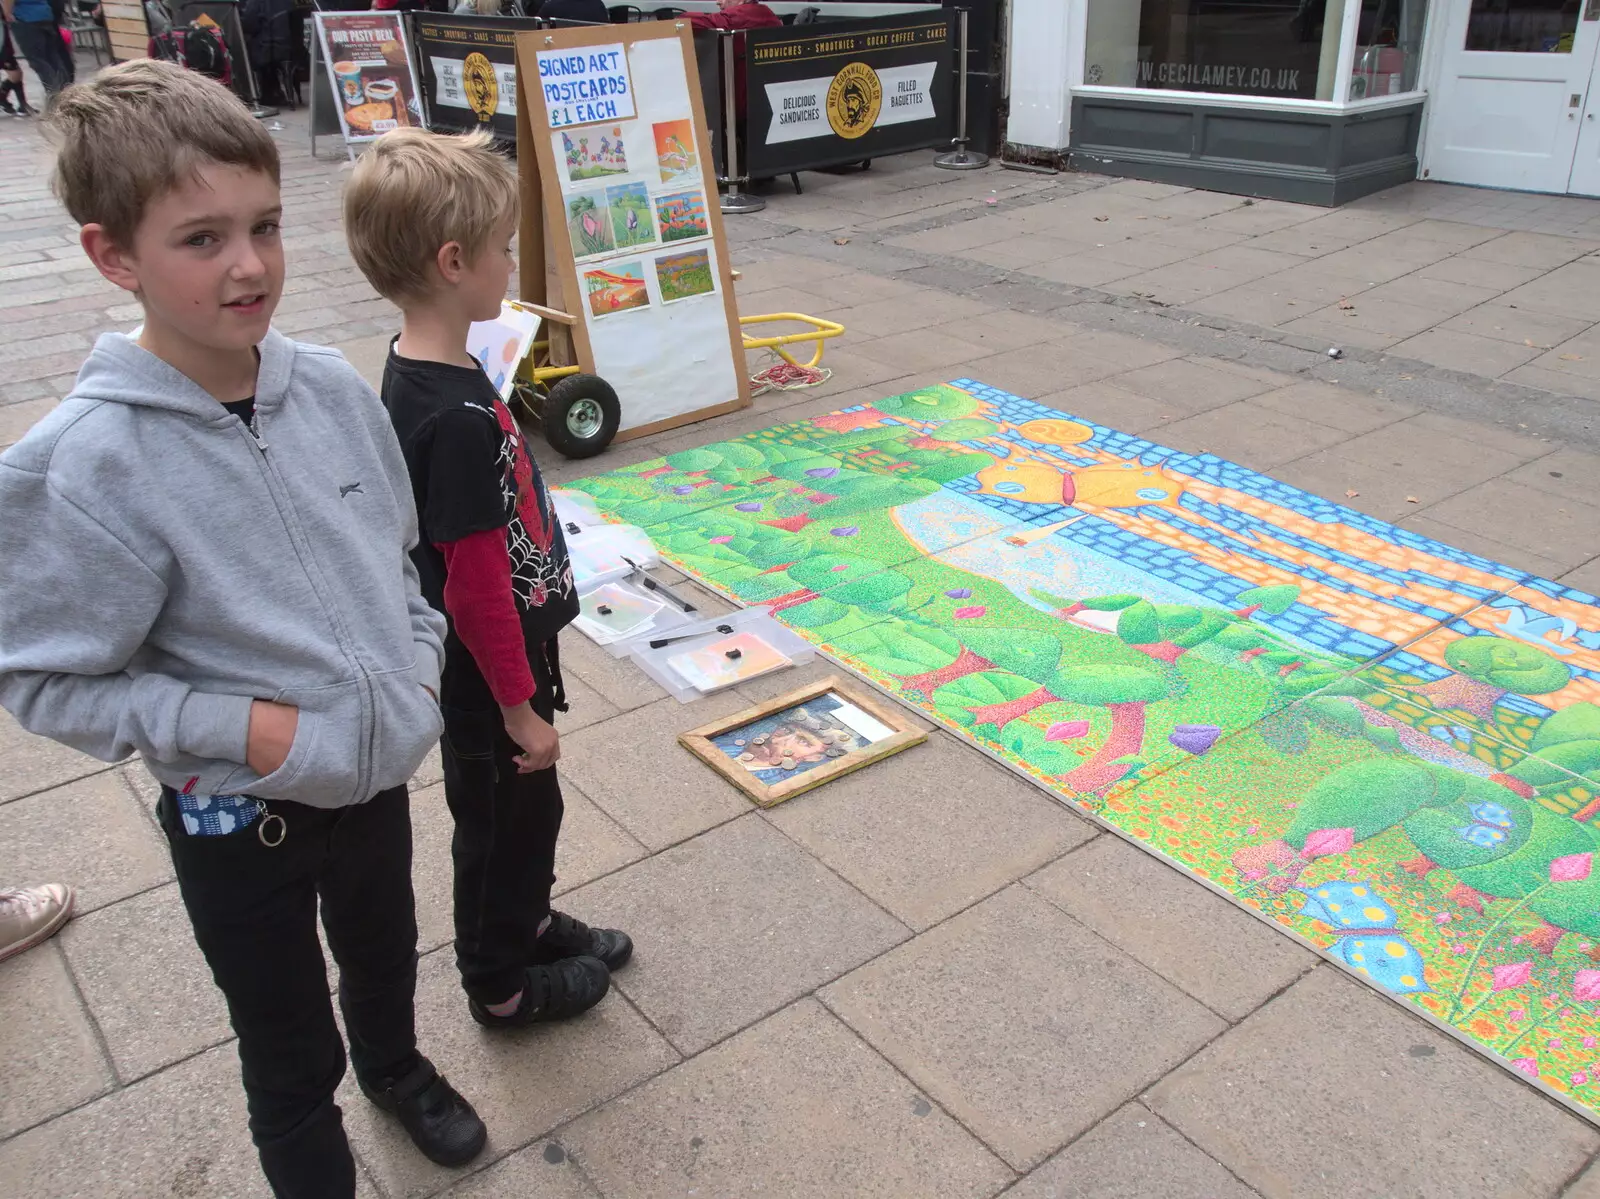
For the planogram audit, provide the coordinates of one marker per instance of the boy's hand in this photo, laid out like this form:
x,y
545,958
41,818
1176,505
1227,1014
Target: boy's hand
x,y
272,728
540,743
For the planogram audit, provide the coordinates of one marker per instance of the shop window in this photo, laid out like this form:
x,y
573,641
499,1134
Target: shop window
x,y
1388,48
1283,49
1522,26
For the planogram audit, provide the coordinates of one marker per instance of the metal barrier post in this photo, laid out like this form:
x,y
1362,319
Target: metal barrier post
x,y
961,158
733,200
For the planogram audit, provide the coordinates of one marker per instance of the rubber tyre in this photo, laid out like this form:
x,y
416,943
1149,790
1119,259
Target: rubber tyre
x,y
571,423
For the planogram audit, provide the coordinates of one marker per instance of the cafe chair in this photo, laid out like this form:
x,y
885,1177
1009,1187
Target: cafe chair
x,y
622,14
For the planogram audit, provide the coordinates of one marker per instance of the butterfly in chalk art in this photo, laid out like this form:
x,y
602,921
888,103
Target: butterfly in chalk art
x,y
1491,825
1363,925
1450,732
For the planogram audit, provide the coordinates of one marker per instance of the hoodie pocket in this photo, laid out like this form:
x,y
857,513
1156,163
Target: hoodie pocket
x,y
323,768
408,725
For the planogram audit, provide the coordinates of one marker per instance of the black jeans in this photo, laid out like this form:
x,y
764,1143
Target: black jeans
x,y
41,44
254,911
505,841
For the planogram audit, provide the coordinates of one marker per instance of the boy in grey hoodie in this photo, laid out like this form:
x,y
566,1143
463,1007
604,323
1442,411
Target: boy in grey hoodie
x,y
205,561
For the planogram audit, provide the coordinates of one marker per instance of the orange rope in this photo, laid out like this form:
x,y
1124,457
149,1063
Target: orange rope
x,y
786,376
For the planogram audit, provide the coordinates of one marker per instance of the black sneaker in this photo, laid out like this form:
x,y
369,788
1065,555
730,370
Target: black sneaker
x,y
557,991
568,937
439,1121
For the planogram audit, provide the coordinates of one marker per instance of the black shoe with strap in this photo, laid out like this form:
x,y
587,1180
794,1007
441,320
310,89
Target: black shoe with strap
x,y
569,937
439,1121
557,991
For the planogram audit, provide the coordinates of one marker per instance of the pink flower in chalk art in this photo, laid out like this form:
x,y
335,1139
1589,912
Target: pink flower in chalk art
x,y
1586,986
1527,1065
1515,974
723,540
1573,868
1459,950
1591,1042
969,612
836,569
1250,830
1067,730
1441,917
1580,1078
1553,1043
1326,841
1516,1015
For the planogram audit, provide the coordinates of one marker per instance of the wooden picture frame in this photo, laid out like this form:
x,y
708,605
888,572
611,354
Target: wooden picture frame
x,y
703,741
543,226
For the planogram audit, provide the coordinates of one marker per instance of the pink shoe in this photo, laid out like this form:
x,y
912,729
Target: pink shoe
x,y
29,915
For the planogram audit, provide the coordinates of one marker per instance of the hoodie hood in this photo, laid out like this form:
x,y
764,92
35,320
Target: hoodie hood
x,y
121,371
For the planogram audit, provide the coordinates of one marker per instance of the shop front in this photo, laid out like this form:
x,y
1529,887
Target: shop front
x,y
1319,101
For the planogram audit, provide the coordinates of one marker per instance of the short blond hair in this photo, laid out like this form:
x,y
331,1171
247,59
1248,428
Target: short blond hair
x,y
413,192
137,130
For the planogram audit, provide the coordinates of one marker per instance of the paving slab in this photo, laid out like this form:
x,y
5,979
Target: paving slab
x,y
1227,959
731,926
149,1018
1585,1187
1114,407
1250,434
523,1083
1190,385
180,1133
108,850
1469,1127
1339,407
29,763
634,770
1131,1154
1554,527
1022,1023
543,1169
792,1108
52,1058
932,830
1472,353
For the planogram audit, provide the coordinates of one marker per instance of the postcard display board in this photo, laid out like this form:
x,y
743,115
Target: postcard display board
x,y
613,151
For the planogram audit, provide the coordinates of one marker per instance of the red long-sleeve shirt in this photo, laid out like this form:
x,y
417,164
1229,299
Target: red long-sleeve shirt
x,y
479,599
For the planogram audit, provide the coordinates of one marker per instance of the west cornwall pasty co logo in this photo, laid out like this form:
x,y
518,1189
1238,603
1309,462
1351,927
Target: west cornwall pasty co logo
x,y
482,86
855,97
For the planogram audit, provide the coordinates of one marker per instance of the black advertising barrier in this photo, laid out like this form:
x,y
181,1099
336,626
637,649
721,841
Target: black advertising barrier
x,y
708,64
469,71
839,92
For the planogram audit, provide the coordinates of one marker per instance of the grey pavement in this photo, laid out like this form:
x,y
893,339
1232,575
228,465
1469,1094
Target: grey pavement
x,y
929,979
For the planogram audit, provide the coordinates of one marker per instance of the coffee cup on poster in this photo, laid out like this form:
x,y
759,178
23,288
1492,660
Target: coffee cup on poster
x,y
349,76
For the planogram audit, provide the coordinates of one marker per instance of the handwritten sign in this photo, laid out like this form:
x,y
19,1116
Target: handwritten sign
x,y
585,85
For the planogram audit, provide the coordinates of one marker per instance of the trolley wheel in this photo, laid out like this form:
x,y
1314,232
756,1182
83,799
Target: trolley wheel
x,y
581,415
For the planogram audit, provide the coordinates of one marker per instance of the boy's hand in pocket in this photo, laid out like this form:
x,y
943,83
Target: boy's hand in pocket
x,y
272,728
540,745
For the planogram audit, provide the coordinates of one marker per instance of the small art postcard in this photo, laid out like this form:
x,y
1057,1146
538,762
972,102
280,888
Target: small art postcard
x,y
675,156
612,612
593,152
616,287
501,344
682,215
723,663
589,225
684,275
630,214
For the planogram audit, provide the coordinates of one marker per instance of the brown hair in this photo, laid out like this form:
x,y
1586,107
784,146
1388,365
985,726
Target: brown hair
x,y
413,192
139,129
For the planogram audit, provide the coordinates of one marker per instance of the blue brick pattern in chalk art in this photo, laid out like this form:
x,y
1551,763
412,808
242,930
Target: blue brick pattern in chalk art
x,y
1236,533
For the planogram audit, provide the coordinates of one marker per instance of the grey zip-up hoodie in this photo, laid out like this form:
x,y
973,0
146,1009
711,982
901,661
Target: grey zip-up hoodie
x,y
161,566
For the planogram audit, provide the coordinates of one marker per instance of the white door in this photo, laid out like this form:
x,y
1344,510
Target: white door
x,y
1513,93
1585,179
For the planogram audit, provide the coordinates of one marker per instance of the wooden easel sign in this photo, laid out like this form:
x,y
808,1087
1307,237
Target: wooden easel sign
x,y
618,190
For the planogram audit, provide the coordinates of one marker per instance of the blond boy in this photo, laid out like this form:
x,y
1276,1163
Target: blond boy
x,y
430,220
204,560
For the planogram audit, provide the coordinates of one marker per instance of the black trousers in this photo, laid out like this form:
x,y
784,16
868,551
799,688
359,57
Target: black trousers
x,y
41,44
254,911
504,846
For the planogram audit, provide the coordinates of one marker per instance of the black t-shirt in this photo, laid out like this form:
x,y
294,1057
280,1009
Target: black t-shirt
x,y
244,409
471,471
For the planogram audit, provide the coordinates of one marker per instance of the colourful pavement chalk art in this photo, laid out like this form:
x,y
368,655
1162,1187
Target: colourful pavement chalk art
x,y
1388,746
